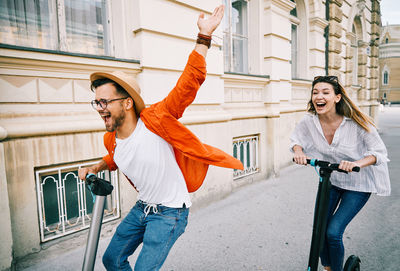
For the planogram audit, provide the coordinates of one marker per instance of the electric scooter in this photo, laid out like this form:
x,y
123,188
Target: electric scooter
x,y
321,215
100,189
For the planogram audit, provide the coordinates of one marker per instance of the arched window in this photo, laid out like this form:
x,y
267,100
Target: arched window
x,y
387,40
385,77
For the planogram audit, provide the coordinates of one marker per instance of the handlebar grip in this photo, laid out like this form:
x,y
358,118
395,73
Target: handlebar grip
x,y
90,178
333,166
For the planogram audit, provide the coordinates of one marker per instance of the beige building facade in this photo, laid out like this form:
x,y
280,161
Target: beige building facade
x,y
389,64
260,68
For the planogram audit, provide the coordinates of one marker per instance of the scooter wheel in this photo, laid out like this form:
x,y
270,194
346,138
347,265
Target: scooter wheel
x,y
352,264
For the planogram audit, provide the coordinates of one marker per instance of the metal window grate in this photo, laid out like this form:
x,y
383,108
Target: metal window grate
x,y
65,204
246,150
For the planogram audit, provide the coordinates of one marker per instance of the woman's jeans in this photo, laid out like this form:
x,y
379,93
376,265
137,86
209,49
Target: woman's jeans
x,y
347,205
157,226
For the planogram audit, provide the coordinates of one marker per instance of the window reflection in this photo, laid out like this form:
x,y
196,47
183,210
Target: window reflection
x,y
78,26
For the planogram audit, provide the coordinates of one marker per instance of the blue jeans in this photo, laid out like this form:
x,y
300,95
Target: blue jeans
x,y
158,230
344,205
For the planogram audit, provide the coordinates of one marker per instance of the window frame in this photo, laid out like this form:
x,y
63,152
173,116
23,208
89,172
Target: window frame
x,y
245,55
355,65
57,19
385,77
294,22
299,59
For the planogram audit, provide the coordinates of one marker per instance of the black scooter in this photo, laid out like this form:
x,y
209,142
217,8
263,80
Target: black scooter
x,y
321,215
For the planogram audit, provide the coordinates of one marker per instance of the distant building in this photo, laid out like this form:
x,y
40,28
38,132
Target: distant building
x,y
389,64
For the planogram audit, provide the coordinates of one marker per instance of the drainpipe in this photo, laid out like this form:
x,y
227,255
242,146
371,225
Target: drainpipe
x,y
326,34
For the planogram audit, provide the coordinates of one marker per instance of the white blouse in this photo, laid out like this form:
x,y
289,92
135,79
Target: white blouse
x,y
351,143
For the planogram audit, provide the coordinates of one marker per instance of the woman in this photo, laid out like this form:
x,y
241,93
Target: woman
x,y
336,130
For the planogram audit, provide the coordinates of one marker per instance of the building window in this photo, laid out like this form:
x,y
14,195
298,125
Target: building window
x,y
355,64
65,204
246,150
385,77
236,36
354,45
294,46
298,41
78,26
386,40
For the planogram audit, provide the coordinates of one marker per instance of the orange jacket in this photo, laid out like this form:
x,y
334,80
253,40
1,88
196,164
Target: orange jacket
x,y
192,156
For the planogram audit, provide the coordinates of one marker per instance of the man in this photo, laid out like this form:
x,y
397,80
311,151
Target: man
x,y
161,158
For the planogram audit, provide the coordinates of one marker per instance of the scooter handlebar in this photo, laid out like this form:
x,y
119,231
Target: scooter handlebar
x,y
329,165
98,186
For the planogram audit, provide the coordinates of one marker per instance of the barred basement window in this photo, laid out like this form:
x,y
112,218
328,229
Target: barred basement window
x,y
65,204
246,150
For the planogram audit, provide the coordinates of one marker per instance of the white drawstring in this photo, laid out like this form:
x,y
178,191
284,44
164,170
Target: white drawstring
x,y
150,207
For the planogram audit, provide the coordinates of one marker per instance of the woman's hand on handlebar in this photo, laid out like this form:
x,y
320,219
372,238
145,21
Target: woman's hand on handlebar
x,y
300,158
347,165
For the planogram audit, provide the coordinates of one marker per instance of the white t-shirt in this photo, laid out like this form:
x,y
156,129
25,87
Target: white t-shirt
x,y
149,162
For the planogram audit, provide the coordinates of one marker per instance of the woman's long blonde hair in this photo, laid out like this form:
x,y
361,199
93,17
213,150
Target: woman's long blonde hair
x,y
345,106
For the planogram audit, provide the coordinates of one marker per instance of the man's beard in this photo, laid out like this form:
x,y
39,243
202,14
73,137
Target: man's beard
x,y
117,122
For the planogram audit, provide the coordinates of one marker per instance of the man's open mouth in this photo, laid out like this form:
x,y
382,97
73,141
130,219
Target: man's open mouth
x,y
105,116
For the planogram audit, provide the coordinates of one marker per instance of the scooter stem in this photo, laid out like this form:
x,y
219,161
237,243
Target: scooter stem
x,y
94,234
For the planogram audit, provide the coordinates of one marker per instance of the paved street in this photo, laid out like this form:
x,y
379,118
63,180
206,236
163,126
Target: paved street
x,y
267,225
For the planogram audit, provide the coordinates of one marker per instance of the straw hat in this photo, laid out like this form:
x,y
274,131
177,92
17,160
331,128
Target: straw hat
x,y
126,82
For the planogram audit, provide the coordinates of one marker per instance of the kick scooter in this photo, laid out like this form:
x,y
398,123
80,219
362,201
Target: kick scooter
x,y
321,215
100,189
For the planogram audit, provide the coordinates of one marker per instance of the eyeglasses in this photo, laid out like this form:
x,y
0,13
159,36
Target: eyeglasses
x,y
103,102
327,78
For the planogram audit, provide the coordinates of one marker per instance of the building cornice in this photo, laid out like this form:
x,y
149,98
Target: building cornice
x,y
319,22
286,5
31,63
245,79
21,51
11,128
